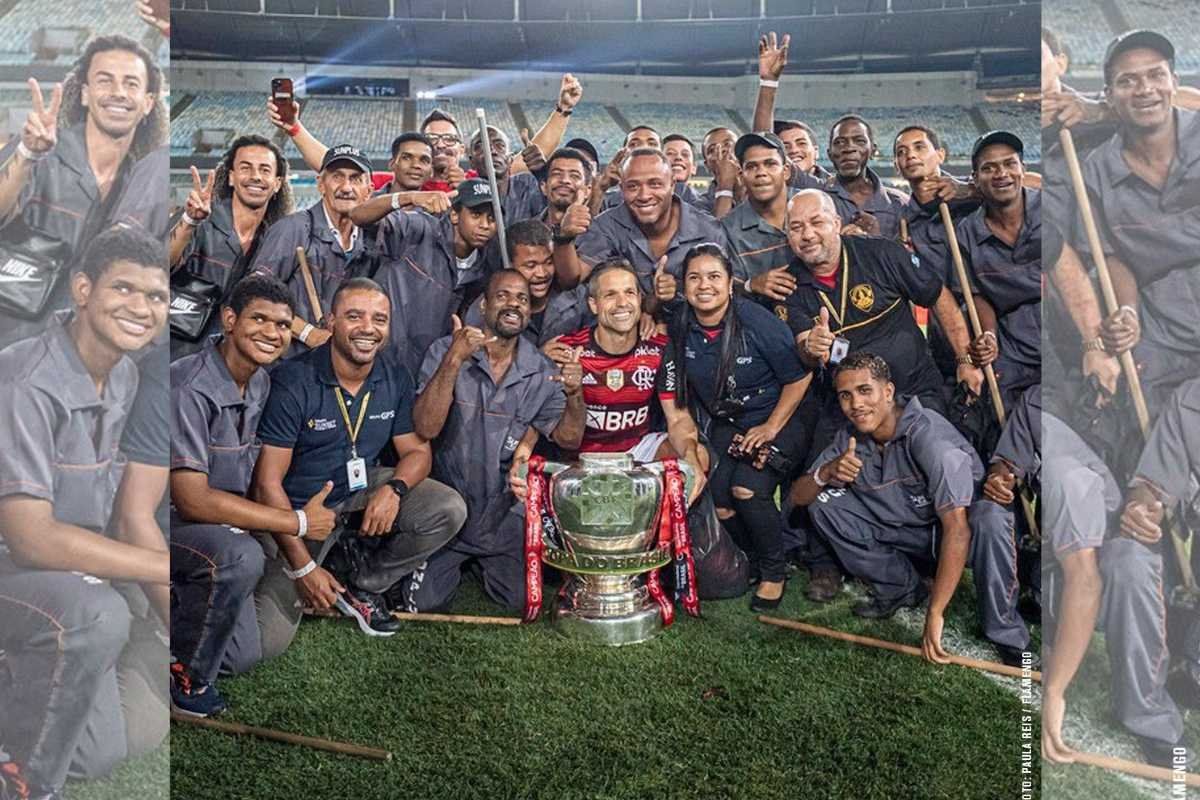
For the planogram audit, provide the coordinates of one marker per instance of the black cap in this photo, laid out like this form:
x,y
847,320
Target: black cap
x,y
1139,38
474,192
585,146
996,137
346,152
748,140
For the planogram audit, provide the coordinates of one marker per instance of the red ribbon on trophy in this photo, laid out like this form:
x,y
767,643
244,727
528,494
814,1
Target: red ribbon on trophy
x,y
674,517
535,483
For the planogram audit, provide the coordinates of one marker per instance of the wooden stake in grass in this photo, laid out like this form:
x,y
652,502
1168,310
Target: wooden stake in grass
x,y
1137,768
329,745
461,618
974,663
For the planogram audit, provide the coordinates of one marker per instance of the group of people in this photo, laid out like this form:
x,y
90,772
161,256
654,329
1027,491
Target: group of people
x,y
355,388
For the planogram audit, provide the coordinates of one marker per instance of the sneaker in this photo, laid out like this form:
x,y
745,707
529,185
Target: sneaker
x,y
1180,755
877,608
1015,657
192,697
825,585
369,611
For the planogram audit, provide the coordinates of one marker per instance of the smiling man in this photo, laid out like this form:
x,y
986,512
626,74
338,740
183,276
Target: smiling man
x,y
335,248
63,626
898,485
861,197
481,391
330,415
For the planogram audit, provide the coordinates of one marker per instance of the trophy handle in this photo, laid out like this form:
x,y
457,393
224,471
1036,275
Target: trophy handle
x,y
689,474
550,468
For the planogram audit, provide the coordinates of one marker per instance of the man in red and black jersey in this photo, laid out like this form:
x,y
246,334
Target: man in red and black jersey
x,y
622,373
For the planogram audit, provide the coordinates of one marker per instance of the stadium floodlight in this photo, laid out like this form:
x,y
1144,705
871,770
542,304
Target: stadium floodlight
x,y
205,140
47,43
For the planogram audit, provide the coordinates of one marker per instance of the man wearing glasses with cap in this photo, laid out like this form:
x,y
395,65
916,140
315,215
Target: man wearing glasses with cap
x,y
1001,244
335,248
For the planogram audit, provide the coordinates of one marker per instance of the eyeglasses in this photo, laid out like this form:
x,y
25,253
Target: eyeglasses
x,y
448,138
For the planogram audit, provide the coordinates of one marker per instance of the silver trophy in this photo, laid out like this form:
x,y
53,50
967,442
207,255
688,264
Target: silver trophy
x,y
606,509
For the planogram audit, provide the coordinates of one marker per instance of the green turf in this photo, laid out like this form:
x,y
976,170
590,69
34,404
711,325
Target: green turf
x,y
144,778
723,707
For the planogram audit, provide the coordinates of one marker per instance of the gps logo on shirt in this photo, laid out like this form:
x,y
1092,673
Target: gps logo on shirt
x,y
863,297
744,360
390,414
616,420
322,424
829,494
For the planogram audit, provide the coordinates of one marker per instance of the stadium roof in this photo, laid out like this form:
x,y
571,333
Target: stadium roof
x,y
997,38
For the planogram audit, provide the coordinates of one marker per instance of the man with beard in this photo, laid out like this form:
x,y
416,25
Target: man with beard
x,y
861,198
552,312
503,386
432,260
216,241
652,229
568,187
1141,183
74,159
66,630
679,152
898,485
335,248
217,397
330,414
755,228
441,129
1001,243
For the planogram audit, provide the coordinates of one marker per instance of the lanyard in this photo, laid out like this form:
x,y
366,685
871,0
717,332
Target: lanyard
x,y
362,414
839,317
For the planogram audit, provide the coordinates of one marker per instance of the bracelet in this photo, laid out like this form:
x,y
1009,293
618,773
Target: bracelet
x,y
1129,310
964,360
293,131
28,154
768,84
304,332
303,519
821,484
566,112
1094,345
723,193
189,221
988,333
300,573
395,201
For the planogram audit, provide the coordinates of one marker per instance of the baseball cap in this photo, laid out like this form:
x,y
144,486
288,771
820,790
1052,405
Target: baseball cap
x,y
585,146
346,152
474,192
748,140
996,137
1133,39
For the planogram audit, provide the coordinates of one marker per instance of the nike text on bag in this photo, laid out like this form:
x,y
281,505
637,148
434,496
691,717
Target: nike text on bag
x,y
29,271
194,300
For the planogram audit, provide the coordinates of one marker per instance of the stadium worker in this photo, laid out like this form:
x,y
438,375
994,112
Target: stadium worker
x,y
140,207
897,485
552,311
800,142
330,414
862,200
606,192
1001,243
335,248
570,176
651,224
724,190
1133,571
799,139
739,365
441,129
217,398
215,240
481,390
65,628
755,228
74,161
432,260
1141,185
676,147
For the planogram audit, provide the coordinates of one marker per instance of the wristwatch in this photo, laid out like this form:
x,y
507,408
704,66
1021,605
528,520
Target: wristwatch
x,y
399,487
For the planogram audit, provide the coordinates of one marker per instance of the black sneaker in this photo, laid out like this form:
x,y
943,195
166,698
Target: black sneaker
x,y
875,608
1015,657
369,611
1181,755
1184,690
824,585
192,697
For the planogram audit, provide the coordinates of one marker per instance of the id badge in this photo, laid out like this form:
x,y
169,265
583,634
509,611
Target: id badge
x,y
839,349
356,473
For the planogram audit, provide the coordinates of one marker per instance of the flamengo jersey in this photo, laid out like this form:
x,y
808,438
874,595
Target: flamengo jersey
x,y
618,390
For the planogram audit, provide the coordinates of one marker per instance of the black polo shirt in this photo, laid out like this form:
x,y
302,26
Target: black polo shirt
x,y
765,363
878,280
303,414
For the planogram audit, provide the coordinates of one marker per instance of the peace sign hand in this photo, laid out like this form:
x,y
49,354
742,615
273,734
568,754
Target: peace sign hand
x,y
40,133
199,200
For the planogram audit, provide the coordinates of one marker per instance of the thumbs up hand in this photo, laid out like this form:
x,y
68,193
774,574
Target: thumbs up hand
x,y
845,468
820,339
665,285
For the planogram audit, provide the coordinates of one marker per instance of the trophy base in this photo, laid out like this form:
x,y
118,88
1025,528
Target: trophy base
x,y
634,628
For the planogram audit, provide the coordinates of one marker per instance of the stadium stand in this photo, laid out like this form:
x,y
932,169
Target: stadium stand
x,y
590,120
1021,119
953,125
1082,27
369,124
692,121
1179,21
239,111
99,18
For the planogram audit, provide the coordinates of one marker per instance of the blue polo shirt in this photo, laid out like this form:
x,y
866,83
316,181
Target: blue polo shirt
x,y
303,414
766,361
